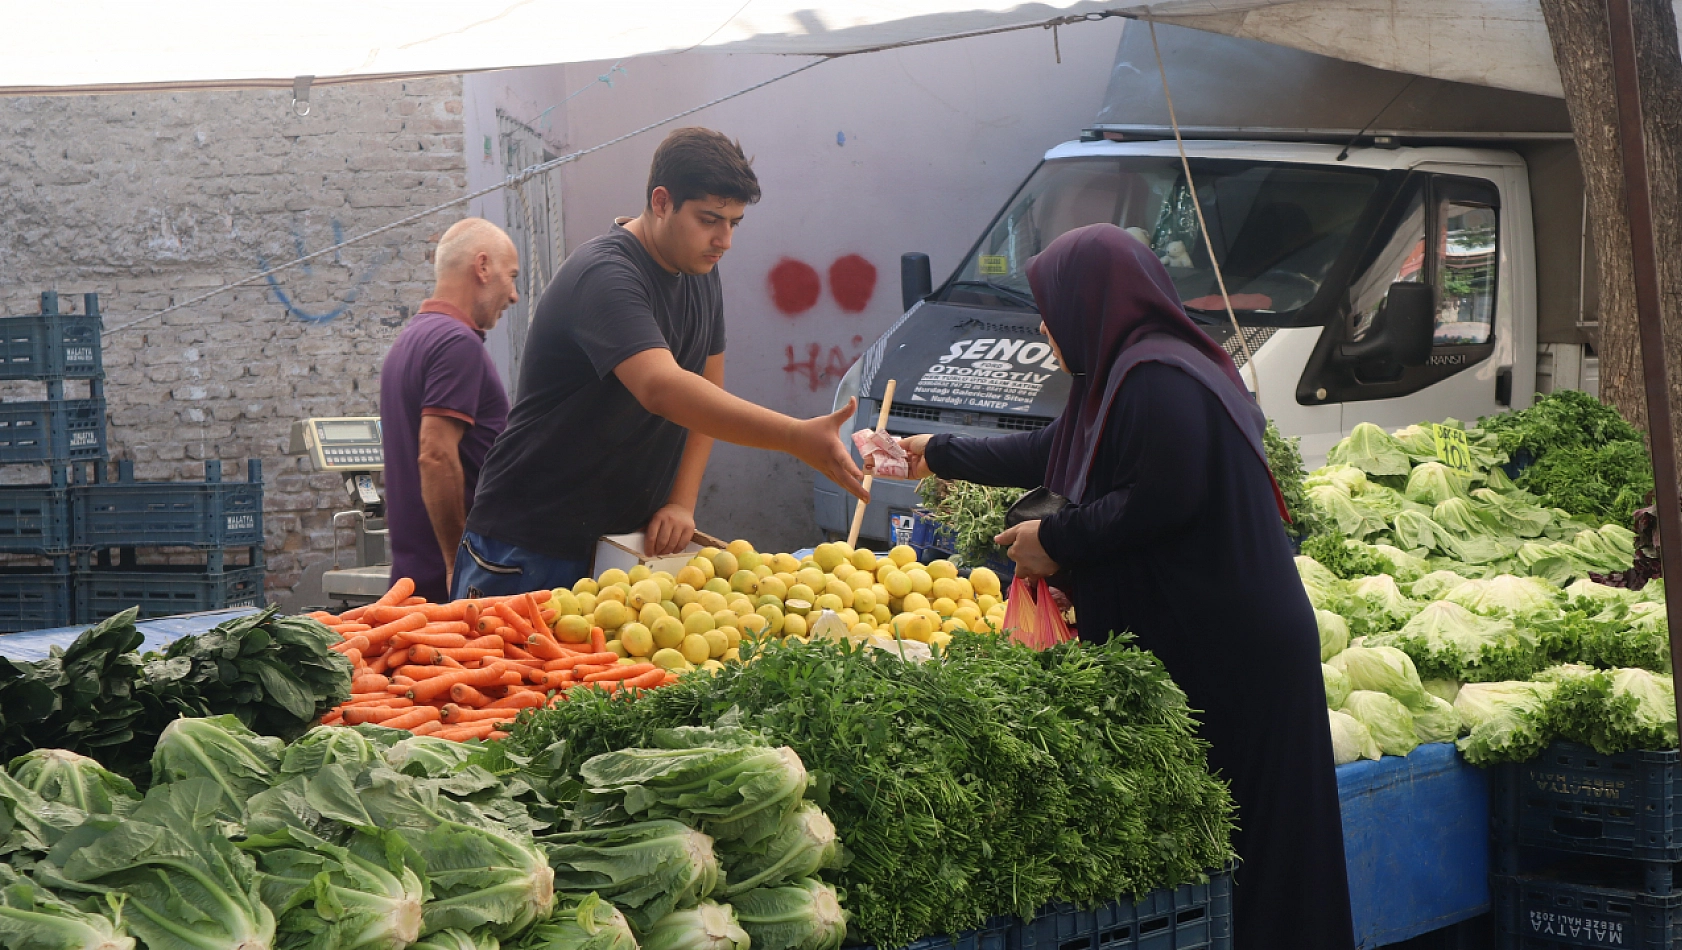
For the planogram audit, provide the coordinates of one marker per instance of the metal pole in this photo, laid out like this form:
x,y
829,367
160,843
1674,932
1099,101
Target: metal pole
x,y
1626,81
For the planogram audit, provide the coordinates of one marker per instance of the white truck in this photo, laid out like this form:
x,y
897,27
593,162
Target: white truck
x,y
1397,249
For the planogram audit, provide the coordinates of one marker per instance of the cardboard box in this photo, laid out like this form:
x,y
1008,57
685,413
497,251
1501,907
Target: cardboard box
x,y
624,551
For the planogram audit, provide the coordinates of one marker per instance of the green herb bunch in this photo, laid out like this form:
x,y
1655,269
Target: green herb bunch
x,y
975,514
988,782
1284,459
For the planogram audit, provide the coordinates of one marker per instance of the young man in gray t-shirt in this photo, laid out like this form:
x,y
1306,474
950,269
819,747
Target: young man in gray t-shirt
x,y
621,390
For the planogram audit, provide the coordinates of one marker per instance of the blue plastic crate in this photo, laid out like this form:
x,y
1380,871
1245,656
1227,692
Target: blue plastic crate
x,y
207,514
1572,798
34,519
1534,913
931,541
165,590
34,597
1188,917
52,430
52,345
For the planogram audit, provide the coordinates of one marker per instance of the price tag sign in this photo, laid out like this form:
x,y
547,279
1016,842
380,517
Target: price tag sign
x,y
1452,448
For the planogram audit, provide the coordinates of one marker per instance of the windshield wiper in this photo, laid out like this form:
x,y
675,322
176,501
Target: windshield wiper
x,y
1026,301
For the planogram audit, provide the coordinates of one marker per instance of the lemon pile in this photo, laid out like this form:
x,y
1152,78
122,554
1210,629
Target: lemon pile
x,y
698,617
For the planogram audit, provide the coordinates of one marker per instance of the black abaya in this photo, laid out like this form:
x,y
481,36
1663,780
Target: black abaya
x,y
1177,539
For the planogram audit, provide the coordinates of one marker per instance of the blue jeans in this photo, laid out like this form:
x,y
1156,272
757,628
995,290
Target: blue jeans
x,y
486,567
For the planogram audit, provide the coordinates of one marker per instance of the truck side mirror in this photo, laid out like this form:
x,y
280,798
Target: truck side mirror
x,y
1402,329
914,280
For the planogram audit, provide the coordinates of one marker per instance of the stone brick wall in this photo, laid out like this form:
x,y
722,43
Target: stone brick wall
x,y
153,198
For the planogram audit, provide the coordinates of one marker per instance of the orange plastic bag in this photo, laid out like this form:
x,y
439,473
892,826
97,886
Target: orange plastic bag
x,y
1032,617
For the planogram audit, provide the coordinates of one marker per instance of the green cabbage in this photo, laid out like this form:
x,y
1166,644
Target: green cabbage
x,y
588,924
1371,450
1505,722
1350,739
805,845
1334,633
648,869
1445,690
1458,516
75,780
326,745
1325,589
1337,685
362,896
1437,722
1377,604
1351,519
33,918
1434,483
1345,478
427,757
1519,598
1447,641
707,926
733,789
1381,669
240,762
1509,515
805,915
453,939
1386,718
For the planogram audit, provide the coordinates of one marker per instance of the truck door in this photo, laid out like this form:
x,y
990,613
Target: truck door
x,y
1447,235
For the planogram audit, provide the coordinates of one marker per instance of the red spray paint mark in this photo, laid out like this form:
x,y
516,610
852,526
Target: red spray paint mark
x,y
852,280
818,368
794,286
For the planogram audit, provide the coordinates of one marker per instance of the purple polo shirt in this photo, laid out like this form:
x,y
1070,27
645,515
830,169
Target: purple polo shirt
x,y
438,366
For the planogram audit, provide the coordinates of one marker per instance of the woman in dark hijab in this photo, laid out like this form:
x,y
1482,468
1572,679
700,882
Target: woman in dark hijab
x,y
1174,534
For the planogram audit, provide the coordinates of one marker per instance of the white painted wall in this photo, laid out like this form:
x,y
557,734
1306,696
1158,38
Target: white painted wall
x,y
871,155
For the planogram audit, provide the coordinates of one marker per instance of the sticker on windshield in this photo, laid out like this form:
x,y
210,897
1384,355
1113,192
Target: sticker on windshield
x,y
1000,375
993,264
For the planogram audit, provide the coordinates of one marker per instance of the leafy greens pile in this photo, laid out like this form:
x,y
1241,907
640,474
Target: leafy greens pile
x,y
99,698
974,514
992,781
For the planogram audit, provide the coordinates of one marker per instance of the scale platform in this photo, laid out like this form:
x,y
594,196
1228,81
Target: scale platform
x,y
357,585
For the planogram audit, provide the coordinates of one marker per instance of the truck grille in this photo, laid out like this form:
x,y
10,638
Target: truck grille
x,y
955,417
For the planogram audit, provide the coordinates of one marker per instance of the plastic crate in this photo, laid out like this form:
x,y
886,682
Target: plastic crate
x,y
52,345
164,590
32,598
993,935
1188,917
207,514
52,430
34,519
1542,914
1572,798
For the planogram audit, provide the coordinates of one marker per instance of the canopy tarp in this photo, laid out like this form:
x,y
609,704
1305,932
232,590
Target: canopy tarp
x,y
70,46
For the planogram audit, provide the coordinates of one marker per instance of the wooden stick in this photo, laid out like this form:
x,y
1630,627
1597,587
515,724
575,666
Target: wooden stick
x,y
881,425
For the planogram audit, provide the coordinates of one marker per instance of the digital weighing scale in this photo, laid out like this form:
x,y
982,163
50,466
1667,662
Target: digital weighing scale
x,y
351,446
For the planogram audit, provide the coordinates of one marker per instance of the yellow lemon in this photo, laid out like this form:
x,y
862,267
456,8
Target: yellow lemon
x,y
669,659
947,587
882,613
725,618
563,602
944,606
753,625
572,629
637,639
585,585
986,602
966,590
704,565
864,560
902,554
843,571
828,556
801,592
667,583
739,547
617,648
848,615
940,639
614,593
794,625
698,622
763,571
898,584
811,577
841,590
953,625
741,605
984,581
732,636
612,576
667,632
752,561
611,615
773,618
712,601
725,564
773,586
785,563
691,575
864,601
650,614
921,581
717,585
914,602
943,568
707,552
913,627
695,648
689,608
860,580
732,655
829,602
669,607
717,643
745,582
586,603
685,594
861,631
640,572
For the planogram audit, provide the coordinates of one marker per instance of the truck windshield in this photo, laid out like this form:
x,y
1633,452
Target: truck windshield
x,y
1276,229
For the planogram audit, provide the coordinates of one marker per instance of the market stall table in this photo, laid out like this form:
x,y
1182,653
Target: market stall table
x,y
1416,839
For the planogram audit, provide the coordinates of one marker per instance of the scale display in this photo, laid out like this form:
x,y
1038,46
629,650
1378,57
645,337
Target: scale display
x,y
350,444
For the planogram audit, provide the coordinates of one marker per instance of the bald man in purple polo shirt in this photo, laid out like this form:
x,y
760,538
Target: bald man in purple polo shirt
x,y
442,403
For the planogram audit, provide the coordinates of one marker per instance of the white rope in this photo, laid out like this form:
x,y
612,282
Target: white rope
x,y
1191,186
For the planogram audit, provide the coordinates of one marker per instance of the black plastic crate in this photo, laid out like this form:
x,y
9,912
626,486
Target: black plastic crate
x,y
165,589
34,519
1572,798
52,345
34,598
52,430
207,514
1188,917
1533,913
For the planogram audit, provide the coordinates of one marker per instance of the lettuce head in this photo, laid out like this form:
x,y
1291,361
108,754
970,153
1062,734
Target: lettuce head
x,y
1381,669
1390,722
1351,741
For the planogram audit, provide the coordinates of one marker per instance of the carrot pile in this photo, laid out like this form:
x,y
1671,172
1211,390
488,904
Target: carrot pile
x,y
464,670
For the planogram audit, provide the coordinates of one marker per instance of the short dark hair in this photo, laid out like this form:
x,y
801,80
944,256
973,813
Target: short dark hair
x,y
696,163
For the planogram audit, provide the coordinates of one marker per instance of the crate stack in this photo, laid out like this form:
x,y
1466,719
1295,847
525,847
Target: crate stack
x,y
70,538
1586,848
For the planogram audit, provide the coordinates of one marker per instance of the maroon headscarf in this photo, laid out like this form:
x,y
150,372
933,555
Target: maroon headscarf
x,y
1111,306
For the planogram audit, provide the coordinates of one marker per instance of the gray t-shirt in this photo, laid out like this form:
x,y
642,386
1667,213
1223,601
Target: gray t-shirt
x,y
581,457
